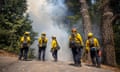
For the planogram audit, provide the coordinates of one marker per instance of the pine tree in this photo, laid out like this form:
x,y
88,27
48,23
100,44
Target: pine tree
x,y
13,21
107,33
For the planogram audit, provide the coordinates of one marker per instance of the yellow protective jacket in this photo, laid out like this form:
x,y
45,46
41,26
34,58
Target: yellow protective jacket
x,y
53,44
40,41
96,44
22,39
78,39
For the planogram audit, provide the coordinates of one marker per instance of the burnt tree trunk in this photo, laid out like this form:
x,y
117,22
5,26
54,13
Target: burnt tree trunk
x,y
86,17
108,37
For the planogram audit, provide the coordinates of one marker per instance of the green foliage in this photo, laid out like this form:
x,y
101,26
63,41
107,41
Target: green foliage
x,y
31,53
115,5
116,28
94,11
74,9
74,18
4,34
74,6
14,22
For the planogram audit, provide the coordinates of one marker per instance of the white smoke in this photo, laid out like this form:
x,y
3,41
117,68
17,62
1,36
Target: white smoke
x,y
47,16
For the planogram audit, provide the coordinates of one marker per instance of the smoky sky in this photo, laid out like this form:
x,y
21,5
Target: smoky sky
x,y
47,16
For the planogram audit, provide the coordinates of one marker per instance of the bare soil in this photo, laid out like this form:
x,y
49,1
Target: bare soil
x,y
10,63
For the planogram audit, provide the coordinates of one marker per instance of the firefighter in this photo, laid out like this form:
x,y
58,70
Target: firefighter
x,y
76,45
42,44
92,45
54,48
25,43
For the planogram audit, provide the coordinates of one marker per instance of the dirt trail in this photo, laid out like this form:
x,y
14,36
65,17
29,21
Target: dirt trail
x,y
11,64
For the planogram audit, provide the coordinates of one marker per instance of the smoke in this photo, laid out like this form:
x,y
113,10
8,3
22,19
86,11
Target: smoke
x,y
48,16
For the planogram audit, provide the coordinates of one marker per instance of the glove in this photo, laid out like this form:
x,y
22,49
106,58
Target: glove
x,y
21,46
99,53
28,45
51,50
81,47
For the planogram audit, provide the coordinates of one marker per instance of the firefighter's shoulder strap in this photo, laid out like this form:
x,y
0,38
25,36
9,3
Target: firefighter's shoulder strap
x,y
91,42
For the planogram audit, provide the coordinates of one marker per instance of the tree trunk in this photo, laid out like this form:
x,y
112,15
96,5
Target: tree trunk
x,y
107,34
86,17
86,25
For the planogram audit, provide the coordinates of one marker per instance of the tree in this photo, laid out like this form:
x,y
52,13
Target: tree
x,y
115,6
86,17
107,33
73,12
14,22
86,22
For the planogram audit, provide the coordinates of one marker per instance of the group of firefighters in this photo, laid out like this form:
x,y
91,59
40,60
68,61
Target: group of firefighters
x,y
75,44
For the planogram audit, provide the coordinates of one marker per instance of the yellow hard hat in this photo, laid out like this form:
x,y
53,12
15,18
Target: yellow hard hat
x,y
90,34
53,36
74,30
43,33
27,33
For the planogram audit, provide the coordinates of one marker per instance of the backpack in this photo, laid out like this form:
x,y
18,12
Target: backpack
x,y
25,43
43,43
58,46
72,42
91,42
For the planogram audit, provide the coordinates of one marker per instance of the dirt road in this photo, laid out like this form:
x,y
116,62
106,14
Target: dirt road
x,y
11,64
